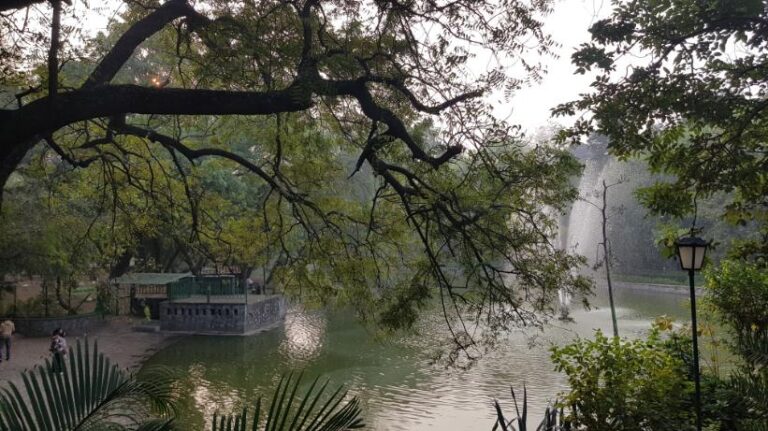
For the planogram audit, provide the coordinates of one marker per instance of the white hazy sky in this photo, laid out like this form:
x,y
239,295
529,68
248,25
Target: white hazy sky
x,y
530,106
568,25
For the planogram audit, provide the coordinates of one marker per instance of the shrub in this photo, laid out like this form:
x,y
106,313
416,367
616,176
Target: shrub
x,y
738,291
622,384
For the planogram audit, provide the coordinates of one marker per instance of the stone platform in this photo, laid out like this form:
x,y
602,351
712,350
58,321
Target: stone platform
x,y
222,316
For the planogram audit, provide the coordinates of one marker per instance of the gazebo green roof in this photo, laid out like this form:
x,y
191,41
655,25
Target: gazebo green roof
x,y
150,278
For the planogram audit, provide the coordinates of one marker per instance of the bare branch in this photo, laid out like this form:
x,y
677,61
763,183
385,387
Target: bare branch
x,y
84,163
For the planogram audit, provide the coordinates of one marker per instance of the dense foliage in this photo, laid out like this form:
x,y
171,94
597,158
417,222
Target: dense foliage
x,y
622,384
332,142
739,293
692,102
648,383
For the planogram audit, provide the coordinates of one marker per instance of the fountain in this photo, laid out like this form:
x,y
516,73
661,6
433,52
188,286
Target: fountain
x,y
632,231
582,231
580,228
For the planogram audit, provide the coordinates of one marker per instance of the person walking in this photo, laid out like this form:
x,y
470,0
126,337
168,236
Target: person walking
x,y
7,328
59,349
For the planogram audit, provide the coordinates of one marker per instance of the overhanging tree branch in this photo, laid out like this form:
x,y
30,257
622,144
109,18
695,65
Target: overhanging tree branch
x,y
42,117
121,127
384,75
418,104
396,127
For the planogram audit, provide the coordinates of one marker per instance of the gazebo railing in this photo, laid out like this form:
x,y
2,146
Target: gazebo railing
x,y
205,286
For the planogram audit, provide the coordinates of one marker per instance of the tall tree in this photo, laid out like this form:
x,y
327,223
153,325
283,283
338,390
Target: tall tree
x,y
606,214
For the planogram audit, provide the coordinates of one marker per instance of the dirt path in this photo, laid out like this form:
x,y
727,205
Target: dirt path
x,y
116,339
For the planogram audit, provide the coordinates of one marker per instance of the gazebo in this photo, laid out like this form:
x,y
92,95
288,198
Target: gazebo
x,y
205,304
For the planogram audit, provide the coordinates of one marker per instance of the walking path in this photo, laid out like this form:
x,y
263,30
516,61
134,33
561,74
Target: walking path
x,y
123,346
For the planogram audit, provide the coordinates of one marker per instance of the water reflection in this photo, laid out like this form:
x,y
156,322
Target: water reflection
x,y
209,397
399,388
303,335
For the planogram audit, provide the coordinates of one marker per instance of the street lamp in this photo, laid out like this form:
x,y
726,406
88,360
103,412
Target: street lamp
x,y
691,252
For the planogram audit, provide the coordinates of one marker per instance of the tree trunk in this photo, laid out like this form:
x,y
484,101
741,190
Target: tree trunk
x,y
65,304
10,157
122,265
607,258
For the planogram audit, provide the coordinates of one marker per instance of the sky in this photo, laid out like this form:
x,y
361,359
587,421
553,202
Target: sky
x,y
568,25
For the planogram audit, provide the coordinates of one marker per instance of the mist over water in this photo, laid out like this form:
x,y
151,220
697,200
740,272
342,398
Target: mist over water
x,y
632,231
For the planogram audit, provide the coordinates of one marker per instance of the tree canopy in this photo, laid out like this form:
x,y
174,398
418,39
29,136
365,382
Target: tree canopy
x,y
377,174
683,83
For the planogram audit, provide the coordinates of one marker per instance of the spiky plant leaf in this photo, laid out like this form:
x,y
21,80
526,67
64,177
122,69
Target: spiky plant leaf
x,y
553,419
288,412
88,393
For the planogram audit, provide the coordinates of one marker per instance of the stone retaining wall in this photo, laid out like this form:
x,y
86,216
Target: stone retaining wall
x,y
221,318
666,288
44,326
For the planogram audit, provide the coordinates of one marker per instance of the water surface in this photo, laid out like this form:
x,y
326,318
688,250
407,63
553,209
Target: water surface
x,y
400,386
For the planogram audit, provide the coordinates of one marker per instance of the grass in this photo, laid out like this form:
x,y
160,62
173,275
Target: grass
x,y
84,289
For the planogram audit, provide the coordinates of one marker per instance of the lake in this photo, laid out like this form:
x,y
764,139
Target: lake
x,y
400,386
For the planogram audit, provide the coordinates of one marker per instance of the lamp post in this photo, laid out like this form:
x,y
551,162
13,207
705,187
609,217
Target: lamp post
x,y
691,252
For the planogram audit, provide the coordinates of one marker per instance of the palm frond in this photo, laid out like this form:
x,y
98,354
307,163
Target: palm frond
x,y
155,425
311,413
89,391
